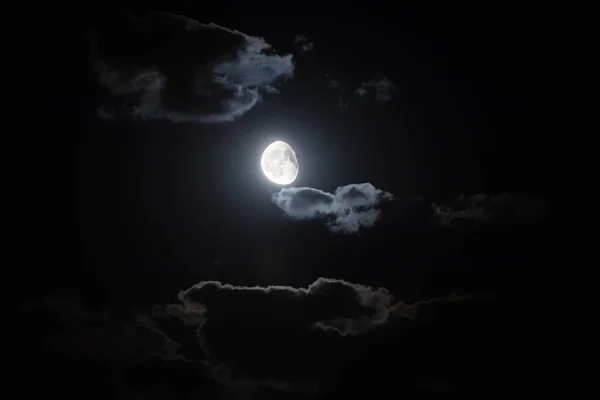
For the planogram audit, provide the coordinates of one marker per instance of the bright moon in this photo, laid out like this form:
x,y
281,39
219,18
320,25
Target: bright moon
x,y
279,163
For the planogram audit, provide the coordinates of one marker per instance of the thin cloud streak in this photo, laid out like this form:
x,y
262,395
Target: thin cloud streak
x,y
485,209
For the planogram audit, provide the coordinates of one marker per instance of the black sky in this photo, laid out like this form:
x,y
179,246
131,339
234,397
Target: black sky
x,y
122,214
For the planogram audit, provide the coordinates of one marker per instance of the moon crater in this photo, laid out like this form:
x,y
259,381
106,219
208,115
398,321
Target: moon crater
x,y
279,163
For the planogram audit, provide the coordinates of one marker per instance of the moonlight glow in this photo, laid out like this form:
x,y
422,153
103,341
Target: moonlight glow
x,y
279,163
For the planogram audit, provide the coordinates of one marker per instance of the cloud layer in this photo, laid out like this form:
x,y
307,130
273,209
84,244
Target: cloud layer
x,y
346,210
166,66
269,335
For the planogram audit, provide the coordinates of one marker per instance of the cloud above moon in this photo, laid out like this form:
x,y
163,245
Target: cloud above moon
x,y
346,210
167,66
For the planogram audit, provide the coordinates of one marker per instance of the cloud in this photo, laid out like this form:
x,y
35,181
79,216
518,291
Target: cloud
x,y
483,208
302,42
332,83
166,66
285,337
104,113
348,209
379,90
70,328
382,89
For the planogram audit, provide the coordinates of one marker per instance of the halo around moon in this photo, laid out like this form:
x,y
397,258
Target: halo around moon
x,y
279,163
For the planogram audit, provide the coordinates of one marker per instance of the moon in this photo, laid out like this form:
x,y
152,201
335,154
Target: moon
x,y
279,163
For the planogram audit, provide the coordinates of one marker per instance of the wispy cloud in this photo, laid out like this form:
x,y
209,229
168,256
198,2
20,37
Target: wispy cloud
x,y
166,66
382,89
483,208
375,90
303,44
346,210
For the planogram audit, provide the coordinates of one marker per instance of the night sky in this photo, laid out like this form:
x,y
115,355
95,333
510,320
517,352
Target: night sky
x,y
160,263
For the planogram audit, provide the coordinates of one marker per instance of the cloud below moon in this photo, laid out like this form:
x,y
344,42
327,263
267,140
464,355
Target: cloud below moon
x,y
166,66
346,210
326,322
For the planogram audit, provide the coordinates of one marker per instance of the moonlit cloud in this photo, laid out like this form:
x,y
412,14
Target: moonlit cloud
x,y
348,209
165,66
283,338
324,321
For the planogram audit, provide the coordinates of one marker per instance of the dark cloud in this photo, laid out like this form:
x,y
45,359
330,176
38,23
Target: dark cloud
x,y
285,337
347,209
105,113
303,44
59,339
167,66
70,327
483,208
332,83
286,341
382,89
378,89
